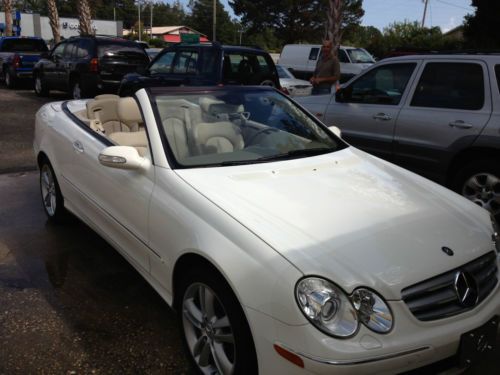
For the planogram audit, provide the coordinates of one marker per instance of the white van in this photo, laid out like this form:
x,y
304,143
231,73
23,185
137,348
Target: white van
x,y
301,60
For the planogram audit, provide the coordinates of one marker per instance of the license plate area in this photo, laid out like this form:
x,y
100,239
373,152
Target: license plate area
x,y
477,343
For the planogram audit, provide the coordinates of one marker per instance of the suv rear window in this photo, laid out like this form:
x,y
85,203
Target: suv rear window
x,y
450,85
23,45
112,47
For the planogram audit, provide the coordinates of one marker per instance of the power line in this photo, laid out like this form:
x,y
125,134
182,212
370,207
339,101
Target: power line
x,y
454,5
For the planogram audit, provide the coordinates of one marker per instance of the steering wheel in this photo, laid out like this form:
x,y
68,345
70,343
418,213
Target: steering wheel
x,y
258,133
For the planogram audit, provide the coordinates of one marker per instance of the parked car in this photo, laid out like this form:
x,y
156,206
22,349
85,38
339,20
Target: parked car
x,y
153,52
437,115
301,59
292,85
283,249
206,64
18,55
88,65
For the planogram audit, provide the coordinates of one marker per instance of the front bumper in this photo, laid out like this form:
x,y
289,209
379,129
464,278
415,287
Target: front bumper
x,y
411,344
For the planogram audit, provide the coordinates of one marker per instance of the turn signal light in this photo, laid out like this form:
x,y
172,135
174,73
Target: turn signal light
x,y
94,65
17,61
292,357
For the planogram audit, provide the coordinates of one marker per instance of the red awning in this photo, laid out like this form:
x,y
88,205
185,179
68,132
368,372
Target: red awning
x,y
176,38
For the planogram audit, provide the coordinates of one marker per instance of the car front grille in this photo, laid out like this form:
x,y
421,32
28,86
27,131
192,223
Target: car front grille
x,y
437,298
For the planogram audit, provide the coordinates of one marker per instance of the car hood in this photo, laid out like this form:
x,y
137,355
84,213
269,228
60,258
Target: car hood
x,y
350,217
289,82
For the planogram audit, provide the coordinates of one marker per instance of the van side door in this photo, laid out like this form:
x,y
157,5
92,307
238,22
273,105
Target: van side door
x,y
449,105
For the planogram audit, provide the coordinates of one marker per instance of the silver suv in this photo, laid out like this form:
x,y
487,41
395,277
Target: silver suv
x,y
438,115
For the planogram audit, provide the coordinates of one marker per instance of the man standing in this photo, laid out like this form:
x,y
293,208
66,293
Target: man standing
x,y
327,71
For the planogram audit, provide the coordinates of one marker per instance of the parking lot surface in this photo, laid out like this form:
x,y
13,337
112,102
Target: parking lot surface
x,y
69,303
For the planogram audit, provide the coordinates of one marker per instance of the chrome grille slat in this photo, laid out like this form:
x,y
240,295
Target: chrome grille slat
x,y
436,297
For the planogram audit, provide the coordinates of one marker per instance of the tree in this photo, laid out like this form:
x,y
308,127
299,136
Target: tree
x,y
7,8
481,29
367,37
201,19
294,20
54,20
84,17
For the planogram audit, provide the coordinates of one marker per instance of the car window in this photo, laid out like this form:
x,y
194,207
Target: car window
x,y
313,54
343,56
359,56
70,50
283,72
186,62
23,45
450,85
240,67
383,85
238,126
163,64
113,47
58,50
84,48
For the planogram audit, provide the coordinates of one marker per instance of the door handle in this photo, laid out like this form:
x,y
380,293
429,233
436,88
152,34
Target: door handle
x,y
460,124
382,116
77,145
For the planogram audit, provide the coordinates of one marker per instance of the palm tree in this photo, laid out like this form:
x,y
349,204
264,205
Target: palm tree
x,y
333,31
84,17
54,20
7,7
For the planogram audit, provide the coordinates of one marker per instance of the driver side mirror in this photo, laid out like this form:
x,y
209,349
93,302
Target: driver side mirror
x,y
343,94
123,157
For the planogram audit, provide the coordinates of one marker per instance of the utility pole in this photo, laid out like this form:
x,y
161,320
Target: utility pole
x,y
139,22
151,21
425,12
215,20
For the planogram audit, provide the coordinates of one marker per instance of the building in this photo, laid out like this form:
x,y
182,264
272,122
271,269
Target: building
x,y
171,34
36,25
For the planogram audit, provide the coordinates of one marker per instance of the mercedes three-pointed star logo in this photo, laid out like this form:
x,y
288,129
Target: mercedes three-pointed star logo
x,y
466,289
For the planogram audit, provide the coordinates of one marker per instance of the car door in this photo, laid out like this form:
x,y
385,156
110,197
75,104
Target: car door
x,y
50,65
116,201
367,108
449,105
67,64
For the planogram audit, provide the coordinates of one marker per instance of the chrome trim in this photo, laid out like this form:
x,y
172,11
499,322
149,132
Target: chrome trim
x,y
343,362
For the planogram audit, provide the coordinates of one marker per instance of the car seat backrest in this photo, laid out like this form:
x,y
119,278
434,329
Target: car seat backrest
x,y
105,111
138,139
129,114
217,137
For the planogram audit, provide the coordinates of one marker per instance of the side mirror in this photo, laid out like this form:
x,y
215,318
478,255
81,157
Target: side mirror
x,y
339,95
335,130
123,157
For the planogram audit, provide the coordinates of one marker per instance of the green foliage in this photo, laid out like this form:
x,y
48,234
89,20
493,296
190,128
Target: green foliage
x,y
201,19
367,37
156,42
265,39
481,29
411,35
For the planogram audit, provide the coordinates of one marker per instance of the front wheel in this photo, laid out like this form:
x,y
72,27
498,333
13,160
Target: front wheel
x,y
479,181
41,88
216,332
52,199
10,80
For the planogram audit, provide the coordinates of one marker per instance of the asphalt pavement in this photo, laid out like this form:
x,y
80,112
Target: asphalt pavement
x,y
69,303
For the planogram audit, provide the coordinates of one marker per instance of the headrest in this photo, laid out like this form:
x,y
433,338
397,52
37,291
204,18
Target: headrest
x,y
106,96
207,103
102,109
128,111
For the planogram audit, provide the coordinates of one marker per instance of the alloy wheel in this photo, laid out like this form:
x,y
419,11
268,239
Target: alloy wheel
x,y
484,190
48,187
7,79
208,332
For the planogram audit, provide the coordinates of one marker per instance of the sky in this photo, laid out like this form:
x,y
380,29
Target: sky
x,y
446,14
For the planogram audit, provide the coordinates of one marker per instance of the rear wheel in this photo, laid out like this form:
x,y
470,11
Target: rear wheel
x,y
52,199
10,80
41,88
216,332
479,181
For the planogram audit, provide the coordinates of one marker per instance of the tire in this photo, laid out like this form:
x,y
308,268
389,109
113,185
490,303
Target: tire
x,y
52,199
479,181
9,79
78,90
216,336
40,86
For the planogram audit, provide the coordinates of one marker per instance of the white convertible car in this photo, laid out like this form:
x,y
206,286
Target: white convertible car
x,y
284,250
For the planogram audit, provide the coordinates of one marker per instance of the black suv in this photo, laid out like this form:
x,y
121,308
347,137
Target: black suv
x,y
206,64
87,65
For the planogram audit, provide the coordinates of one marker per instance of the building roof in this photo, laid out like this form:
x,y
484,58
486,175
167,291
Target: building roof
x,y
174,30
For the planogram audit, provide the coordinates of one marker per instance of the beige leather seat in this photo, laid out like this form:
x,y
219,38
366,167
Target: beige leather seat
x,y
217,110
177,127
217,137
105,112
130,116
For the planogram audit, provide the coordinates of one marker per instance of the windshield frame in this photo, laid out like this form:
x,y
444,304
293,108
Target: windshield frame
x,y
365,52
153,92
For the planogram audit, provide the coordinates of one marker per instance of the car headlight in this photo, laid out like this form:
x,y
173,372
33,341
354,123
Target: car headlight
x,y
327,307
496,234
372,310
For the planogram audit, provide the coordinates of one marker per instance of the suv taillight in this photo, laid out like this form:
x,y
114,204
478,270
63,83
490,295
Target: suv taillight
x,y
94,65
284,90
17,61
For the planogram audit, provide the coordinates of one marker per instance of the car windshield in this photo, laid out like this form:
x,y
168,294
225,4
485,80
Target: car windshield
x,y
360,56
284,72
232,126
116,47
